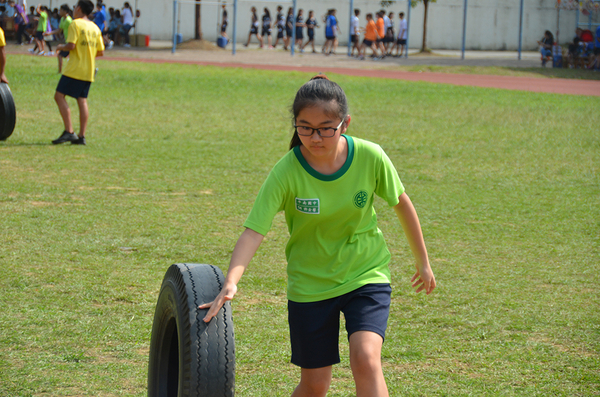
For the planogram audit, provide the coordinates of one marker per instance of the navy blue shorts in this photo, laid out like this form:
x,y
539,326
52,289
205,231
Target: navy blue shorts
x,y
73,87
315,326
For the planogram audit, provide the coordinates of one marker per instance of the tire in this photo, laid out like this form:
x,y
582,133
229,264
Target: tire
x,y
187,356
8,113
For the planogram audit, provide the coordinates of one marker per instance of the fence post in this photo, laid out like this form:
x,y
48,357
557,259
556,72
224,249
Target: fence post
x,y
464,31
234,27
520,29
174,26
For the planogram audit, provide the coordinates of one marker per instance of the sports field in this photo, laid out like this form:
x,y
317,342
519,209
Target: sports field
x,y
506,184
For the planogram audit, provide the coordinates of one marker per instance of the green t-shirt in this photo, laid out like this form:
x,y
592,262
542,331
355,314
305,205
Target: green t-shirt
x,y
42,22
335,245
64,25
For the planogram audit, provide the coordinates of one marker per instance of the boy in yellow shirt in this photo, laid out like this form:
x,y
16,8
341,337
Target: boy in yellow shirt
x,y
3,78
84,43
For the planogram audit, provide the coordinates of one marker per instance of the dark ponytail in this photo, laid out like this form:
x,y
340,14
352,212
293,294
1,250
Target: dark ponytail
x,y
322,92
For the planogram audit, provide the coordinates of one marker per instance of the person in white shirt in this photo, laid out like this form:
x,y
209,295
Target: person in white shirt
x,y
400,44
390,36
355,32
127,16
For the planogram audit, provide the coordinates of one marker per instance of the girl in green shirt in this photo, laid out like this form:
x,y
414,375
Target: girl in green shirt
x,y
337,258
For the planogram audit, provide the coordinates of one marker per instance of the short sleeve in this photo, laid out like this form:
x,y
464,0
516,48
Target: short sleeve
x,y
99,43
268,203
389,187
2,39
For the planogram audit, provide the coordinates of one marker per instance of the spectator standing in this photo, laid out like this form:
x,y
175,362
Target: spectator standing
x,y
331,31
84,41
280,23
224,22
254,28
380,23
62,31
311,24
370,39
127,16
390,34
32,25
355,32
596,63
289,26
400,44
42,25
266,26
21,20
114,27
299,29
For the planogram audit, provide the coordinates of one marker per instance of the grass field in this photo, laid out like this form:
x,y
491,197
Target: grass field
x,y
506,184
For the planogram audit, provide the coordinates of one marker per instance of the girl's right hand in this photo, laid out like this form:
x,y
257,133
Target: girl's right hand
x,y
226,294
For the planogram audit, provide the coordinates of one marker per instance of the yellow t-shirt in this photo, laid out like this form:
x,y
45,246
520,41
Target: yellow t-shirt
x,y
88,41
2,39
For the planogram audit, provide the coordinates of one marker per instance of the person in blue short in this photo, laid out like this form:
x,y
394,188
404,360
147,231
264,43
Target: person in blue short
x,y
311,24
299,29
337,258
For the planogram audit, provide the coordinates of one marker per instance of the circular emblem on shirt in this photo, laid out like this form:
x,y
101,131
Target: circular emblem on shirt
x,y
360,199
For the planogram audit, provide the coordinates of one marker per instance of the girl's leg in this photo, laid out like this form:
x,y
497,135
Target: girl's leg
x,y
313,382
365,361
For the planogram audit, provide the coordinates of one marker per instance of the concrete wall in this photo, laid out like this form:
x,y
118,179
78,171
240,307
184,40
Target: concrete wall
x,y
491,24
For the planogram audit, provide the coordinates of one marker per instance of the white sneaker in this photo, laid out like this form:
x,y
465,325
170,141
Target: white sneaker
x,y
110,44
51,53
30,50
41,53
127,45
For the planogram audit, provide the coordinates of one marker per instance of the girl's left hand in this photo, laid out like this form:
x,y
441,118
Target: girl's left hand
x,y
424,280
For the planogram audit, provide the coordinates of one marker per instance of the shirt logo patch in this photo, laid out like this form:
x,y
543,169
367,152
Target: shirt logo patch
x,y
308,206
360,199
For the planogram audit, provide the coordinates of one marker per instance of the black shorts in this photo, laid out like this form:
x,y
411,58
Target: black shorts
x,y
596,51
288,32
368,43
63,54
39,35
380,41
224,28
266,32
253,30
315,326
299,34
401,41
330,37
311,34
388,39
354,38
73,87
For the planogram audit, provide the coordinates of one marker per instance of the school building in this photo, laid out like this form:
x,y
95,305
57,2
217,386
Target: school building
x,y
490,24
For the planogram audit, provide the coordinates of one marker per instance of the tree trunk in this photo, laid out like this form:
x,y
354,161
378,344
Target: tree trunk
x,y
424,46
198,23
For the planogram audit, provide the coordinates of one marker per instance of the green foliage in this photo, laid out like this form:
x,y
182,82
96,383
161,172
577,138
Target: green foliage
x,y
506,184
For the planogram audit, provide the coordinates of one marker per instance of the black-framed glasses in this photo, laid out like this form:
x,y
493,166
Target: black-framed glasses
x,y
327,132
